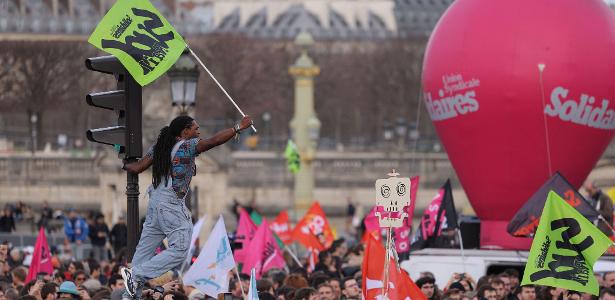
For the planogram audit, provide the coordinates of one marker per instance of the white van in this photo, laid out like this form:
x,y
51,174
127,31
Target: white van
x,y
444,262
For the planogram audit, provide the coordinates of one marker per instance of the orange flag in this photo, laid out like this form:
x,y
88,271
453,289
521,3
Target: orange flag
x,y
281,227
313,225
401,287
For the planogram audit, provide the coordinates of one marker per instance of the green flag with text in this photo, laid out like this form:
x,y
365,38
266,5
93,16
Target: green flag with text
x,y
137,34
565,248
293,160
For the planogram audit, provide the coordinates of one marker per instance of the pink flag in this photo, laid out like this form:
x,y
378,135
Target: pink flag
x,y
371,221
264,252
41,258
245,232
402,234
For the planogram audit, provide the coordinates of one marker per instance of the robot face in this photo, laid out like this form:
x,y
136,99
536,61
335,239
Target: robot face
x,y
393,195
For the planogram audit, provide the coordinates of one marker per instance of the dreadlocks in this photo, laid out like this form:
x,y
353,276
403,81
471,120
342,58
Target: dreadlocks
x,y
164,145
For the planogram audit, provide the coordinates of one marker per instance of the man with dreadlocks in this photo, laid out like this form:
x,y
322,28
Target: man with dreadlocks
x,y
172,158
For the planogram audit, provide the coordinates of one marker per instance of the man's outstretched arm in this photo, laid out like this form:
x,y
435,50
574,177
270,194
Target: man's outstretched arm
x,y
223,136
140,165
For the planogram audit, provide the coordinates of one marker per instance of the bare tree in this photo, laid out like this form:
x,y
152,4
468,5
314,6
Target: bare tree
x,y
46,79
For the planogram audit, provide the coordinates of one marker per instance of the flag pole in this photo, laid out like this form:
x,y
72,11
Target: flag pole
x,y
387,262
219,85
541,68
293,256
601,218
239,282
463,256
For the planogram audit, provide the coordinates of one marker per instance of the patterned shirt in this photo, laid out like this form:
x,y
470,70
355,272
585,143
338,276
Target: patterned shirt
x,y
183,166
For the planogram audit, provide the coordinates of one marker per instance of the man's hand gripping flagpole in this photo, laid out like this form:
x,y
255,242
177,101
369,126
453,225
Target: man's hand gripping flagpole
x,y
219,85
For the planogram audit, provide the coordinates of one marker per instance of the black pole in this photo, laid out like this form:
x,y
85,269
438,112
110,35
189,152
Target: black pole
x,y
132,198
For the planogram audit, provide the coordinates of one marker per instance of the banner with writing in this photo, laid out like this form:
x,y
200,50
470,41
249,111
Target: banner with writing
x,y
565,248
525,221
137,34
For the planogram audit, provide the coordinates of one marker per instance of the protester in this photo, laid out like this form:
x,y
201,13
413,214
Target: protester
x,y
172,158
603,204
528,292
76,231
119,236
68,289
7,220
427,285
351,289
98,233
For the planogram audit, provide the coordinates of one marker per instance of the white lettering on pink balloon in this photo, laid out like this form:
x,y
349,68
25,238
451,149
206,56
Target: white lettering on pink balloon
x,y
582,112
457,97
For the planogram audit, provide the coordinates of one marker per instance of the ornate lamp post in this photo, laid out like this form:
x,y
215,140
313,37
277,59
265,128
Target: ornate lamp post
x,y
305,126
184,76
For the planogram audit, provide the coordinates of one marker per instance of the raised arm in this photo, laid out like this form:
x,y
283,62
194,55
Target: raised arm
x,y
223,136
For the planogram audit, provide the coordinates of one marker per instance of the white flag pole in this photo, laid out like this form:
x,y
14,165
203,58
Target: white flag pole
x,y
239,282
219,85
293,256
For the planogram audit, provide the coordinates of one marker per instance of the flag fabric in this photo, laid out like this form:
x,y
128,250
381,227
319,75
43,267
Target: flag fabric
x,y
565,248
137,34
402,234
41,257
281,227
196,230
371,221
245,232
264,252
252,291
293,160
209,273
258,219
401,287
525,221
440,214
312,225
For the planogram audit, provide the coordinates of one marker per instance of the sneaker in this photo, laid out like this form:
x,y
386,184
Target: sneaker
x,y
131,285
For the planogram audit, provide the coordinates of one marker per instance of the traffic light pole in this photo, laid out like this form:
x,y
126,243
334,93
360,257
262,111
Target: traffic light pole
x,y
132,196
126,102
134,150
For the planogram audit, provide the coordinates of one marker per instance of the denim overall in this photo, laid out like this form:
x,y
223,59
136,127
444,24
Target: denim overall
x,y
167,216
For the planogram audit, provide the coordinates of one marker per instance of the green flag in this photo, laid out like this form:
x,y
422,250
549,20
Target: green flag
x,y
258,219
565,248
140,37
293,160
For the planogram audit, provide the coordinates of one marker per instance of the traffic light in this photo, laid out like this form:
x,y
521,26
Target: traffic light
x,y
125,101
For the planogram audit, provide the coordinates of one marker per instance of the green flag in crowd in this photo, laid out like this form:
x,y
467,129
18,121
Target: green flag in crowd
x,y
293,160
258,219
565,248
140,37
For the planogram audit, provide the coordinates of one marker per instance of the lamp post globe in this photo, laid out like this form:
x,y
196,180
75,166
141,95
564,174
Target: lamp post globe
x,y
184,77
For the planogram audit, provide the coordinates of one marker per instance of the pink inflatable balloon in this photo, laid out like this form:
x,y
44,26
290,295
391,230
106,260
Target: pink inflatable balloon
x,y
482,87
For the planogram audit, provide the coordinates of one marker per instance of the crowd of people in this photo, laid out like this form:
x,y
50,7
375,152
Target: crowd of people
x,y
506,286
87,267
337,276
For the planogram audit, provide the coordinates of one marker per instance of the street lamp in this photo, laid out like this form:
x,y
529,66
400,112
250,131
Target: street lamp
x,y
387,133
267,135
184,76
